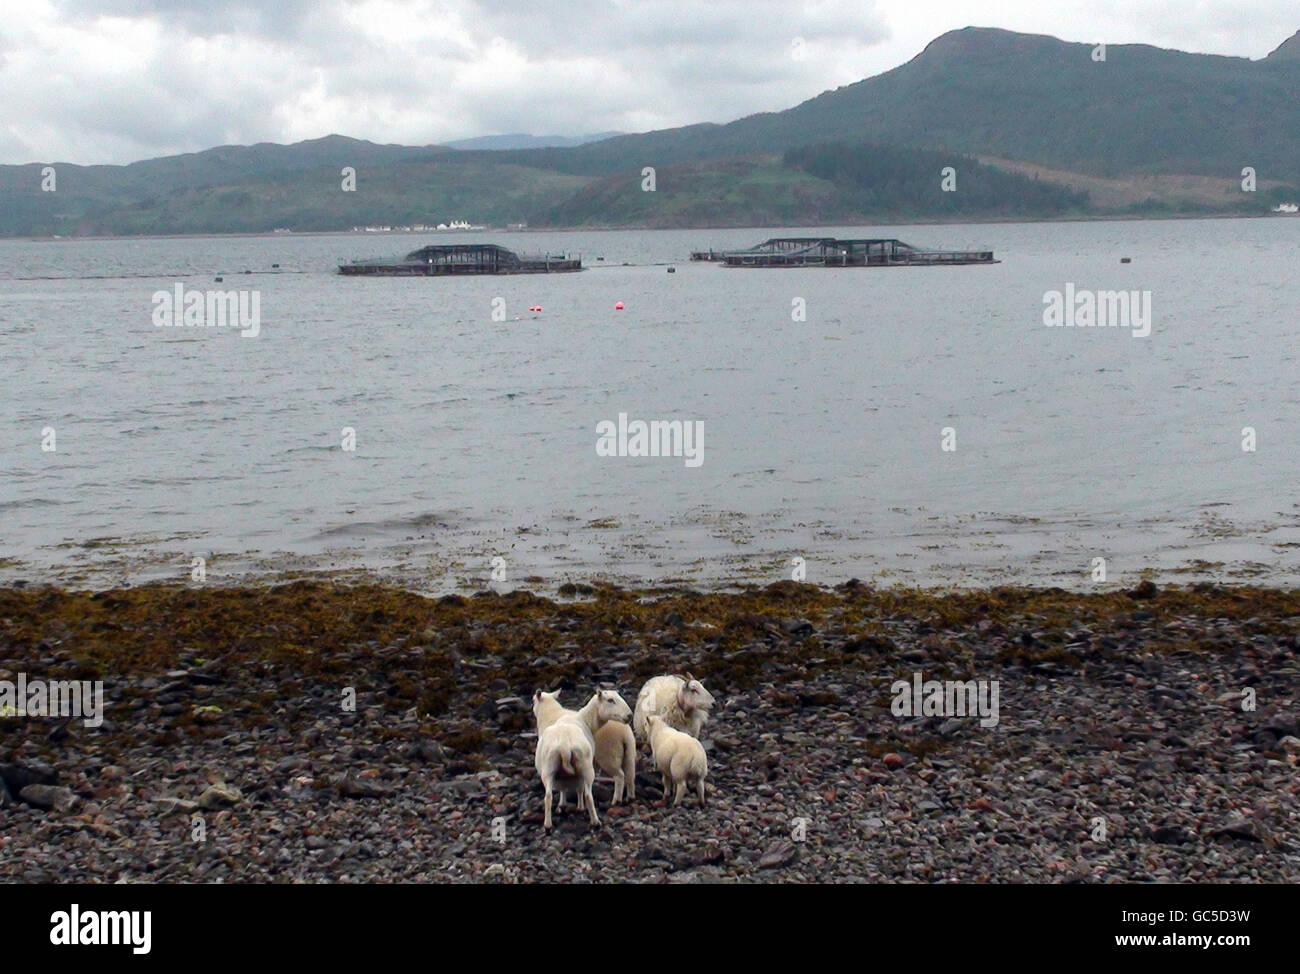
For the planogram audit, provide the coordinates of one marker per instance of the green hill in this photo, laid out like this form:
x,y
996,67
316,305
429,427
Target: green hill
x,y
429,192
830,183
83,195
1019,96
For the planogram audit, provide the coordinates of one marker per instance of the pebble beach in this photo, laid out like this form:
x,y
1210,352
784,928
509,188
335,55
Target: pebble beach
x,y
319,732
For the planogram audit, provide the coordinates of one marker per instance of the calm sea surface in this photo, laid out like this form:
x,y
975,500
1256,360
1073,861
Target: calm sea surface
x,y
475,438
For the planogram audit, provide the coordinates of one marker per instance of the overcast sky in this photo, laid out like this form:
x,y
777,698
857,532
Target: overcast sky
x,y
95,81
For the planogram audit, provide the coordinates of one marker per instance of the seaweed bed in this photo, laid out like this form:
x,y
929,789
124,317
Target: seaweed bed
x,y
1124,750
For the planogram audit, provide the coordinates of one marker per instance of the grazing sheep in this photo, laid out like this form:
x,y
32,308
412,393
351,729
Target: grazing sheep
x,y
679,758
616,757
683,703
564,760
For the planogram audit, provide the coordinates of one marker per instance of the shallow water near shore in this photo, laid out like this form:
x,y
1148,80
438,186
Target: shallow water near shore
x,y
822,440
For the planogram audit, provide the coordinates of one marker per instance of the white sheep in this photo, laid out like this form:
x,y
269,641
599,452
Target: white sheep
x,y
605,709
679,757
564,761
683,703
616,757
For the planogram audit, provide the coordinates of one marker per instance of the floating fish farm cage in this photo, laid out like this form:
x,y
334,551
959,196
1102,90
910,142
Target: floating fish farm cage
x,y
833,252
438,259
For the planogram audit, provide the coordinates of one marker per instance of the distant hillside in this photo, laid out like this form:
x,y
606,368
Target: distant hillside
x,y
750,191
440,190
1289,49
519,141
1020,96
832,183
85,194
876,182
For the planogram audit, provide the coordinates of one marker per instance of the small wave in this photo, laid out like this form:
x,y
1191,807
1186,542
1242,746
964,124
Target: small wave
x,y
18,505
421,522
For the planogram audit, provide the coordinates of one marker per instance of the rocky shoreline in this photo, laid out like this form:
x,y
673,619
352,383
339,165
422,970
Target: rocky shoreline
x,y
1125,748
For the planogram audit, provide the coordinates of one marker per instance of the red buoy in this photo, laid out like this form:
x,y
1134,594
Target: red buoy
x,y
536,307
618,306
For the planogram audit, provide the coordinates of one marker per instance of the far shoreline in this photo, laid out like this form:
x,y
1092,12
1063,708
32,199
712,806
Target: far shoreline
x,y
909,222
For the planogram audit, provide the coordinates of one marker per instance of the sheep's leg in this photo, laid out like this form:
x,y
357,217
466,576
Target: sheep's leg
x,y
699,787
591,804
546,819
681,790
667,785
618,788
629,772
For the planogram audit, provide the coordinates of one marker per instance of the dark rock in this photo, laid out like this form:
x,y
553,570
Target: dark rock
x,y
1283,725
19,776
1238,828
779,853
353,787
869,643
458,786
652,853
425,750
49,797
1146,590
711,854
819,698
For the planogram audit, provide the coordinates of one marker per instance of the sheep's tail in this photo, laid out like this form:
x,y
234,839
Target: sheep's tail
x,y
567,764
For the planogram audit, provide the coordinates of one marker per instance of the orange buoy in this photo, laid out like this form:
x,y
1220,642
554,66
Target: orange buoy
x,y
618,305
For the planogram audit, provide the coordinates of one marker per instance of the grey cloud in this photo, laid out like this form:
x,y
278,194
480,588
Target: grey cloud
x,y
420,71
203,18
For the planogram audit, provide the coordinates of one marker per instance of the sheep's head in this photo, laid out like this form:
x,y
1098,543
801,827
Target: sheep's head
x,y
611,706
691,696
542,700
